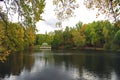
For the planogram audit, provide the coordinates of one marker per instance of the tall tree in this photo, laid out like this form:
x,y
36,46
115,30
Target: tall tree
x,y
28,13
67,36
2,36
108,34
57,39
117,38
78,33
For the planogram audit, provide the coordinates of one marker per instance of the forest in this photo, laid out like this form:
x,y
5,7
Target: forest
x,y
21,35
96,35
16,38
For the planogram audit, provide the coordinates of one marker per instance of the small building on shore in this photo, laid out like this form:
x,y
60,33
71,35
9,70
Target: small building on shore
x,y
45,46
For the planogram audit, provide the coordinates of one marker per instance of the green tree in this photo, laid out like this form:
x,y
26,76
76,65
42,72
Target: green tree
x,y
67,36
57,39
117,25
79,37
29,37
2,36
41,38
29,12
78,26
98,27
108,33
117,38
15,39
93,38
49,37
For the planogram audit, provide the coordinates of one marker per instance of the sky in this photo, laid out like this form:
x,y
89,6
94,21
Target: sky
x,y
81,14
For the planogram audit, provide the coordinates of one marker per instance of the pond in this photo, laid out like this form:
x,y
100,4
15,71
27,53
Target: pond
x,y
61,65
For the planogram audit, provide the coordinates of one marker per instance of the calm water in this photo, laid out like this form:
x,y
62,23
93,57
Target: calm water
x,y
61,65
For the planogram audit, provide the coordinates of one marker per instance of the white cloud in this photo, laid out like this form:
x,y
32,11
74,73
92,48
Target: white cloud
x,y
43,27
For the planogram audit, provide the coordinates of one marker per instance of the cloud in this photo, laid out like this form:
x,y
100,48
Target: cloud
x,y
51,22
43,27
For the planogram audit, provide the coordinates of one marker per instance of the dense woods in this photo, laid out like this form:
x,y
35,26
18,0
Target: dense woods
x,y
44,38
21,35
99,34
16,38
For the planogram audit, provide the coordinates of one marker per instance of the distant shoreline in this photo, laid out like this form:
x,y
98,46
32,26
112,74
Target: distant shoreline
x,y
43,47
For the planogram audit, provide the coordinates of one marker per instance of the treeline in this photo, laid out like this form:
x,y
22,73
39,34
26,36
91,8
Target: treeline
x,y
44,38
15,37
99,34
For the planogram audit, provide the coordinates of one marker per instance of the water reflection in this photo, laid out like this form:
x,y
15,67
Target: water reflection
x,y
3,56
15,63
61,65
93,66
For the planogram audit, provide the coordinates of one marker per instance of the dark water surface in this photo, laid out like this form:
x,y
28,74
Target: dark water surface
x,y
61,65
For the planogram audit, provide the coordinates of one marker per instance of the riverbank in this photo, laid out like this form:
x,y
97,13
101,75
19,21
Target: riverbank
x,y
90,48
42,47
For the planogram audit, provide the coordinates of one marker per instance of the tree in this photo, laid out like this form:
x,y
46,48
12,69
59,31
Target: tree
x,y
117,38
79,25
79,37
98,28
14,41
40,38
92,36
64,9
2,36
108,34
57,39
28,11
67,36
44,38
117,25
49,38
107,7
29,37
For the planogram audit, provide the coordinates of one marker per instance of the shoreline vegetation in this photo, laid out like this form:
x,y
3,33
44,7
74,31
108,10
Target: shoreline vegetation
x,y
75,48
15,38
22,35
98,35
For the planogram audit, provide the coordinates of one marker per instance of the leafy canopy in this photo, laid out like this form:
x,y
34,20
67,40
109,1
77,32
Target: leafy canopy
x,y
64,9
28,11
111,8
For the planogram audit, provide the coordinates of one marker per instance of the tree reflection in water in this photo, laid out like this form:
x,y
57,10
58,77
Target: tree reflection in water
x,y
91,65
61,65
3,56
15,63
